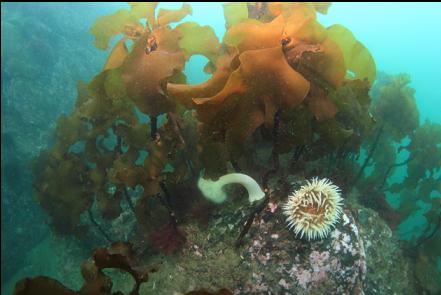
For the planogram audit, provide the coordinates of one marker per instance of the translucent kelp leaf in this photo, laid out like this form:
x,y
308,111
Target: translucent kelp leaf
x,y
143,74
275,8
426,135
253,34
297,10
96,86
322,63
352,100
357,57
178,77
264,72
321,7
238,109
109,205
209,68
303,28
108,101
69,129
166,16
196,39
95,102
382,161
425,149
235,13
426,187
319,104
332,133
136,134
330,65
184,93
295,128
212,154
62,192
125,172
247,117
108,26
117,56
395,107
114,86
144,10
307,46
166,39
260,11
97,178
134,31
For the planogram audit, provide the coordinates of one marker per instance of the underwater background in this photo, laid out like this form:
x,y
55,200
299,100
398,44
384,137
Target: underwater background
x,y
47,48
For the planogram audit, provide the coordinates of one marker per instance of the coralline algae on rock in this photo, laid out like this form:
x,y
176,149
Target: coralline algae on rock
x,y
353,259
289,265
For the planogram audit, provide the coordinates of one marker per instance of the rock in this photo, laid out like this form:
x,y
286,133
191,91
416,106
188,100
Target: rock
x,y
389,271
281,263
272,261
356,258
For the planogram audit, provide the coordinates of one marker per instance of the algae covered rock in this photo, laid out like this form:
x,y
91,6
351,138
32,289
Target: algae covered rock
x,y
281,263
388,271
359,256
272,261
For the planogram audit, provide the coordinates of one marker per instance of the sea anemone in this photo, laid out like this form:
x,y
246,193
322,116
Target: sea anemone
x,y
313,209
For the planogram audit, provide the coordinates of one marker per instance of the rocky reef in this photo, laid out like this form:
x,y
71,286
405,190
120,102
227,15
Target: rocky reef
x,y
360,256
288,100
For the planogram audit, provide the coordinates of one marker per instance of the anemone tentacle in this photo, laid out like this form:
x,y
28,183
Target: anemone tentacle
x,y
314,209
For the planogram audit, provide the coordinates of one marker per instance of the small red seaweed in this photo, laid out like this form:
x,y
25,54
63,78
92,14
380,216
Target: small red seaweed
x,y
168,239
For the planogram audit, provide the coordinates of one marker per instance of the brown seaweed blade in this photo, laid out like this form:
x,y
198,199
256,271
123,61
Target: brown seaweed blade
x,y
166,16
143,74
119,255
253,34
311,52
263,72
41,285
319,104
117,56
197,39
145,10
262,83
357,58
184,93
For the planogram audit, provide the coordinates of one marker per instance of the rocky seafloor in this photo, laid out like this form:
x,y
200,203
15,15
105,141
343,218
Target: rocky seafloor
x,y
360,256
357,258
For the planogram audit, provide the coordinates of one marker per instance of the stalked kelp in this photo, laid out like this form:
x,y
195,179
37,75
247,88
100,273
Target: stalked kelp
x,y
107,132
422,188
288,63
287,96
95,165
401,142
